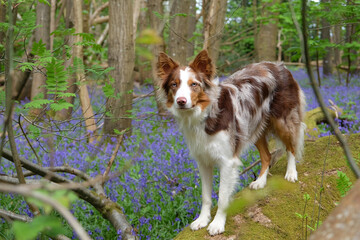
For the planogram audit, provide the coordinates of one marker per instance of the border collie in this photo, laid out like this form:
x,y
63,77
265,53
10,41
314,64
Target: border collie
x,y
221,120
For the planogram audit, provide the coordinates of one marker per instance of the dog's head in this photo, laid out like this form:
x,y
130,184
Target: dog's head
x,y
185,87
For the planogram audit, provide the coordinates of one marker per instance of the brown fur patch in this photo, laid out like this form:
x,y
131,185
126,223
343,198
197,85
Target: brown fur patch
x,y
225,116
286,96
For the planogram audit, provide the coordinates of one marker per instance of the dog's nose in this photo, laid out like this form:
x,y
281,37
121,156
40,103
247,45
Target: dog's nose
x,y
181,101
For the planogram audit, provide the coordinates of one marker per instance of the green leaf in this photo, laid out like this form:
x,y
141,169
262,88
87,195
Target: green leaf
x,y
149,36
38,103
44,2
108,90
65,197
60,106
42,223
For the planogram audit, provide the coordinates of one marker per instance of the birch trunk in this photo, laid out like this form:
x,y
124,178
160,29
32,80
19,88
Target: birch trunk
x,y
86,107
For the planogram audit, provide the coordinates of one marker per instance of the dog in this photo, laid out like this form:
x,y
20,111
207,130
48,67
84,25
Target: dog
x,y
221,120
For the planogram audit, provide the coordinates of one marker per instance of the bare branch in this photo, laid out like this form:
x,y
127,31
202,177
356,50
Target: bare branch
x,y
106,173
103,35
8,215
97,12
25,191
99,20
109,209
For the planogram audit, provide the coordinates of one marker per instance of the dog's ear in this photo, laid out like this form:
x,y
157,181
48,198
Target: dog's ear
x,y
203,63
165,66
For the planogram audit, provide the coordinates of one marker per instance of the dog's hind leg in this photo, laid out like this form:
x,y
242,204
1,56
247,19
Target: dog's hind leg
x,y
206,175
289,132
265,156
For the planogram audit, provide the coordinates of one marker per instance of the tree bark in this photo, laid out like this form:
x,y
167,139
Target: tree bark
x,y
178,33
325,35
213,27
266,37
155,23
191,20
122,58
69,41
2,19
41,34
86,107
143,65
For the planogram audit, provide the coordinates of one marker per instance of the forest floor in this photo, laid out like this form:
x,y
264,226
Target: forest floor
x,y
276,211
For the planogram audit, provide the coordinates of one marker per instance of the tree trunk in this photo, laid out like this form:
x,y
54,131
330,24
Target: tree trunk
x,y
178,33
191,28
87,111
325,35
155,23
69,41
337,40
2,19
266,37
43,34
52,23
213,27
143,65
121,57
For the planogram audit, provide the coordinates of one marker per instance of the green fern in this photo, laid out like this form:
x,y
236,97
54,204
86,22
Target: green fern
x,y
343,183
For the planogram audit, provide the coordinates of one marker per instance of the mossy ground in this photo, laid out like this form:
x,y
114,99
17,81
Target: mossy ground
x,y
276,205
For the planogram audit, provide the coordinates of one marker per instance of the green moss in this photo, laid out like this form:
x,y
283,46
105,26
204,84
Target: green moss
x,y
280,200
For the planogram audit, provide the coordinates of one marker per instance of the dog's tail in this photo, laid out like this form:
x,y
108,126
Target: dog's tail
x,y
299,150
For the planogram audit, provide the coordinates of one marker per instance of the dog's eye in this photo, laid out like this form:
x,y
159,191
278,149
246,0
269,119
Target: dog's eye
x,y
194,84
173,85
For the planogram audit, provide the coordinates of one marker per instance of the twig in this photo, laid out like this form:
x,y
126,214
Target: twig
x,y
96,12
319,98
106,173
28,141
13,216
24,191
109,209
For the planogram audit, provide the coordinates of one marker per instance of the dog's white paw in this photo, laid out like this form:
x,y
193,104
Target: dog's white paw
x,y
200,222
291,175
258,184
217,226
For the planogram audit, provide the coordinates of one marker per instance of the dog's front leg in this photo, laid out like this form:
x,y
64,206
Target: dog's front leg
x,y
228,180
206,175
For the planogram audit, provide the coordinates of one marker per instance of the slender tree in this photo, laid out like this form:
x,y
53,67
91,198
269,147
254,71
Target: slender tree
x,y
214,22
69,40
267,33
121,57
325,36
156,24
41,34
178,33
80,75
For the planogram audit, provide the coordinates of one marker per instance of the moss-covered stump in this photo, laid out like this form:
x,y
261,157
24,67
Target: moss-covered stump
x,y
315,117
275,212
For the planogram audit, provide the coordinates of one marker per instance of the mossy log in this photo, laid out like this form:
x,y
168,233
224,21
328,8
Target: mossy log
x,y
315,117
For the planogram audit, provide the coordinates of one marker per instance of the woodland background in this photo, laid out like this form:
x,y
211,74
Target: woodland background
x,y
78,104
